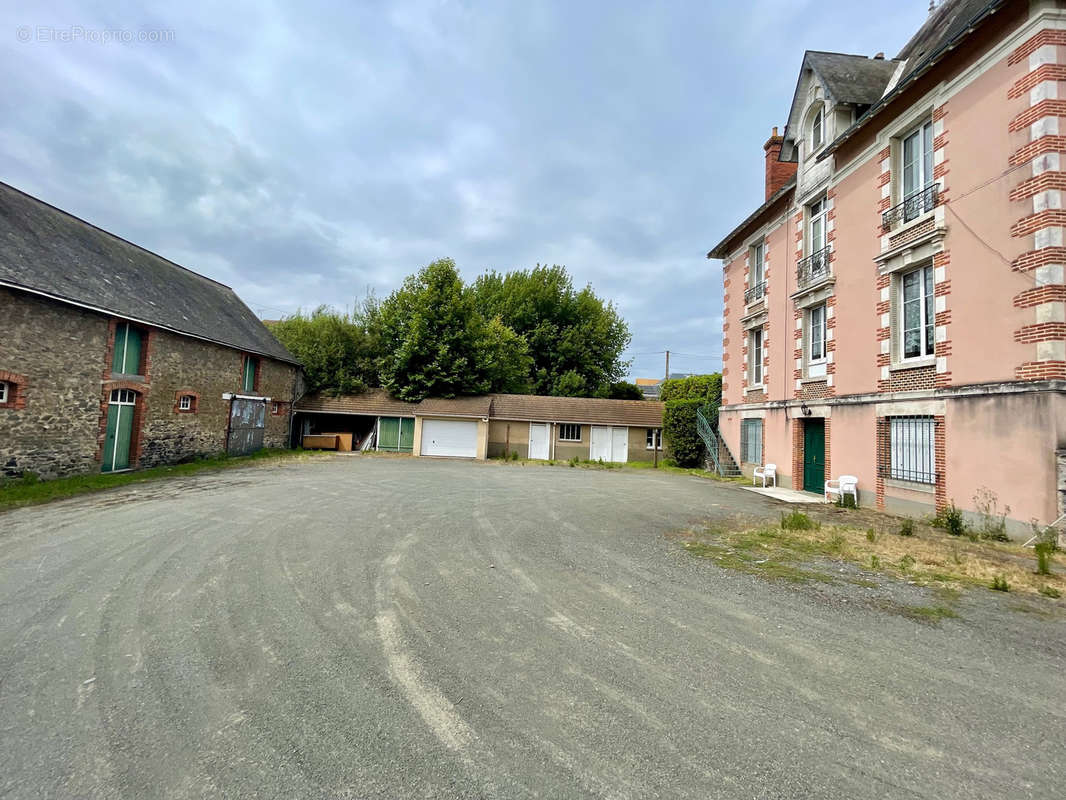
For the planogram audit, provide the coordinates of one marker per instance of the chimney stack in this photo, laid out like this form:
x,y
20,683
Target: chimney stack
x,y
777,172
879,57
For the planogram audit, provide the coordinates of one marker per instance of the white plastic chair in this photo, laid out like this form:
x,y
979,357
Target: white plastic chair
x,y
769,471
844,485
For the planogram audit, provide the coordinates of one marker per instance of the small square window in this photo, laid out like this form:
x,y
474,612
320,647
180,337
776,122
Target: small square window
x,y
4,390
185,403
569,433
653,439
277,409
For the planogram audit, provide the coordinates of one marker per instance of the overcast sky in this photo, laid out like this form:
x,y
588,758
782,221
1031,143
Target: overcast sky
x,y
304,152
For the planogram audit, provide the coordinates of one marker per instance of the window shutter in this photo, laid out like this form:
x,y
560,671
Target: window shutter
x,y
894,316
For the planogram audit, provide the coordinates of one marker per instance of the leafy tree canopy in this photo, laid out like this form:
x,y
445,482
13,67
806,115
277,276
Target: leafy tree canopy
x,y
336,349
621,390
436,343
575,338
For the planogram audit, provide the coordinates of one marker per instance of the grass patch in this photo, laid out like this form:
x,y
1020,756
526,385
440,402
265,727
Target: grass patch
x,y
31,491
936,559
932,614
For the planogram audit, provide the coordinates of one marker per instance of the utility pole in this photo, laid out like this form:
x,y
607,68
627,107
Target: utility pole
x,y
667,376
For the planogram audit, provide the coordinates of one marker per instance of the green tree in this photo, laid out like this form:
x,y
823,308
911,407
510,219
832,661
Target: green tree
x,y
436,343
336,350
683,397
621,390
575,339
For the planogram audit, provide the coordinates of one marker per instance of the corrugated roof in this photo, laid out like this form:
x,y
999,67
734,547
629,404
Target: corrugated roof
x,y
456,406
639,413
51,252
374,403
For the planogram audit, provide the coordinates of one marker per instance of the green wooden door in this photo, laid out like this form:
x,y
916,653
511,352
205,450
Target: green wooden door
x,y
407,435
389,433
119,431
126,359
814,455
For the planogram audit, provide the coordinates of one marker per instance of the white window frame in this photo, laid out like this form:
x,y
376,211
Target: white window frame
x,y
276,409
653,439
816,364
4,391
185,402
926,304
563,426
817,215
758,264
756,356
922,136
818,125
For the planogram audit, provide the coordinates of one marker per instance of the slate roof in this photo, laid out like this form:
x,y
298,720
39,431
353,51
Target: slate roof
x,y
53,253
944,29
854,79
374,403
638,413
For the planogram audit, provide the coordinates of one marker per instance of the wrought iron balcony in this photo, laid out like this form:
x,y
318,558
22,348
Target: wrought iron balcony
x,y
912,207
813,268
755,292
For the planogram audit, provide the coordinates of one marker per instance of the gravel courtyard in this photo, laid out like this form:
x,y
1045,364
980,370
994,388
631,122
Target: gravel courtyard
x,y
394,627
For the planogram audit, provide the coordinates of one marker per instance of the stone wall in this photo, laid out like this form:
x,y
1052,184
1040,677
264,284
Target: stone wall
x,y
64,355
58,350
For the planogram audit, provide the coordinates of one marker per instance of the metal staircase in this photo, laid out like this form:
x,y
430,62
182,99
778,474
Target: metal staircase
x,y
719,459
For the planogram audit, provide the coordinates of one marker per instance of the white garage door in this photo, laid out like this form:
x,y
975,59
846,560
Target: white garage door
x,y
449,437
609,444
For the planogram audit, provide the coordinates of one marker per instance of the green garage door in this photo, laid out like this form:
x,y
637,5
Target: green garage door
x,y
396,434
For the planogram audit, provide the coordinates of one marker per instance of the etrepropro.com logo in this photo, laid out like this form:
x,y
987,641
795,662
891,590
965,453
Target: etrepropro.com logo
x,y
71,34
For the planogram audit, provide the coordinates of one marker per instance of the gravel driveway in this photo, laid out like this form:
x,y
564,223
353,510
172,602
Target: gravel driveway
x,y
393,627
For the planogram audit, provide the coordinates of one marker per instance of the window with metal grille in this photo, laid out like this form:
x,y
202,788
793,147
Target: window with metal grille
x,y
908,449
751,441
569,433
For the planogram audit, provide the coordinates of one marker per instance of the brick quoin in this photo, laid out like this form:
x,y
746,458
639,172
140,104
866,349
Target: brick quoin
x,y
1052,293
1041,332
1041,371
1045,72
1050,217
797,454
1045,144
940,461
1040,183
1039,258
1045,108
1047,36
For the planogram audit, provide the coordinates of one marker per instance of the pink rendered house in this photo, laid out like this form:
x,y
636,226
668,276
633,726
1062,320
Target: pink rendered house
x,y
896,308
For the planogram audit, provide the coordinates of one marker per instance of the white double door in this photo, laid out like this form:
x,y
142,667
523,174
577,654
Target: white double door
x,y
540,437
609,444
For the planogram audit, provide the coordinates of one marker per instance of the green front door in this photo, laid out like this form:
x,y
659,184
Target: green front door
x,y
814,455
389,433
407,435
116,453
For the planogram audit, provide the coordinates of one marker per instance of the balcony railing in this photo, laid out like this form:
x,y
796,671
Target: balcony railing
x,y
813,268
912,207
755,292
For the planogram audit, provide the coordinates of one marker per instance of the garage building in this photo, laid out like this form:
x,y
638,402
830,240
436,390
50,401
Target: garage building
x,y
489,426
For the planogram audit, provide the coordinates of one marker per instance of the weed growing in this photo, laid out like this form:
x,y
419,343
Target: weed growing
x,y
798,521
999,584
906,527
